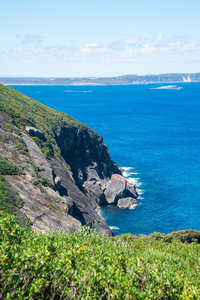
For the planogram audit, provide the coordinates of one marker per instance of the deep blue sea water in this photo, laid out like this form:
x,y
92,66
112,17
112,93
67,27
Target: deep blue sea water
x,y
156,134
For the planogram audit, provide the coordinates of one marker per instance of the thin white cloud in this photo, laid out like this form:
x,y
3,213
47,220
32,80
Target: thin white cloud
x,y
93,47
132,55
30,39
131,41
160,38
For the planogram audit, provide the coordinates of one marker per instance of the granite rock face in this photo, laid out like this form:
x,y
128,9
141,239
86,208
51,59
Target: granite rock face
x,y
86,154
109,191
60,206
131,191
64,188
94,191
116,189
126,203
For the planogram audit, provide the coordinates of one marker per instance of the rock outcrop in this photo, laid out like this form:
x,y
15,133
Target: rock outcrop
x,y
66,169
52,200
116,189
131,191
111,191
86,154
94,190
32,131
126,203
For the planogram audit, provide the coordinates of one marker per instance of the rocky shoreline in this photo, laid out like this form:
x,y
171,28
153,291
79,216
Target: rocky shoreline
x,y
62,191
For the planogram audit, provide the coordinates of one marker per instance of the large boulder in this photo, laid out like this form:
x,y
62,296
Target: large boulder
x,y
32,131
126,203
116,189
131,191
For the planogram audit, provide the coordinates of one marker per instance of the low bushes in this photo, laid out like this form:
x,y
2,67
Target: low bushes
x,y
87,265
7,167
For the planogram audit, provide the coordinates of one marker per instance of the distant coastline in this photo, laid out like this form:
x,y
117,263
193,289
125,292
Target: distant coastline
x,y
172,78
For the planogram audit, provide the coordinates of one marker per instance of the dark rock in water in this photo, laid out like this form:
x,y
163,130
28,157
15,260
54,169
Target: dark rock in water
x,y
116,189
131,191
126,203
32,131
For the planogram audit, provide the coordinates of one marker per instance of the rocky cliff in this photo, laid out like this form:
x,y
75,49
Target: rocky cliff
x,y
65,168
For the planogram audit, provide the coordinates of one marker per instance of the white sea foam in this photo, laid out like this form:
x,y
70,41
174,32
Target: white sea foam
x,y
114,227
134,181
133,206
74,91
127,168
128,174
99,212
140,192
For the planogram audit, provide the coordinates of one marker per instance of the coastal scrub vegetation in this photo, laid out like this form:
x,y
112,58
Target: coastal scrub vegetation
x,y
88,265
7,167
10,200
24,111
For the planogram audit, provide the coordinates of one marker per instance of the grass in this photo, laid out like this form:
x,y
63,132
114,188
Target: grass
x,y
88,265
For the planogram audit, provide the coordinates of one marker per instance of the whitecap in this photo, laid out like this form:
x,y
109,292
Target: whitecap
x,y
75,91
128,174
114,227
133,206
140,192
126,169
70,91
134,181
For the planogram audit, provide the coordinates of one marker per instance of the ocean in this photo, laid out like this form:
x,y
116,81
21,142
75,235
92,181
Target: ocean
x,y
154,134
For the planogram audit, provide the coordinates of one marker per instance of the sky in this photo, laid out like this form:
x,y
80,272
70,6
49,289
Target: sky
x,y
97,38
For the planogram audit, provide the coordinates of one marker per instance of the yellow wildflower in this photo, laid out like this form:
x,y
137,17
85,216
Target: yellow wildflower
x,y
3,259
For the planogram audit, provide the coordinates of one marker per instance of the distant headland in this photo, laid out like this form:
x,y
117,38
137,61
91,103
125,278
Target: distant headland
x,y
118,80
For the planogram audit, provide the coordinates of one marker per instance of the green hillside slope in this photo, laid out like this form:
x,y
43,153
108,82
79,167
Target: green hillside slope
x,y
25,111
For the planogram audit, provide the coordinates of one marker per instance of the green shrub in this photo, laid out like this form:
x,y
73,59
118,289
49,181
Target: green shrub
x,y
7,167
88,265
188,236
11,202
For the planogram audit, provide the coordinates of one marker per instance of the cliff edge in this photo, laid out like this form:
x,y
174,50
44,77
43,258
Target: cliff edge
x,y
65,169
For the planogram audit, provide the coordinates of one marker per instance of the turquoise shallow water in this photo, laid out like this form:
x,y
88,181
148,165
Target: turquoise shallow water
x,y
156,134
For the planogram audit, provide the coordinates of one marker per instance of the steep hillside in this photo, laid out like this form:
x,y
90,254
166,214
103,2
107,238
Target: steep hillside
x,y
64,169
